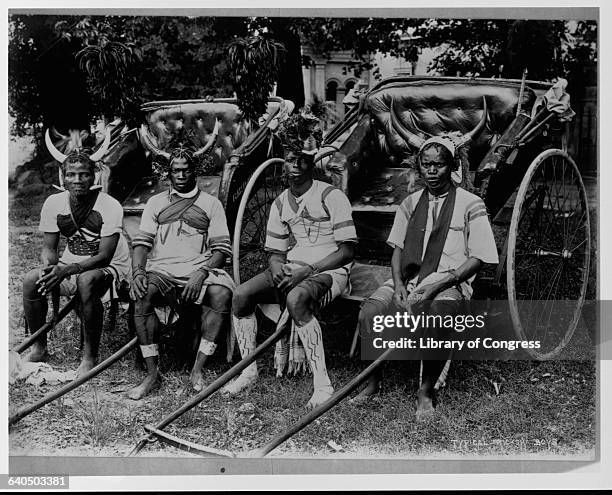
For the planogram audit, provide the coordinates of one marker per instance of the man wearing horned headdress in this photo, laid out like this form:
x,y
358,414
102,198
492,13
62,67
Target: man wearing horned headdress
x,y
302,277
184,233
96,258
441,236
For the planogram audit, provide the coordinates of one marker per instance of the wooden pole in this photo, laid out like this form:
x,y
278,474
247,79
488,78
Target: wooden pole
x,y
519,107
46,327
321,409
212,388
73,384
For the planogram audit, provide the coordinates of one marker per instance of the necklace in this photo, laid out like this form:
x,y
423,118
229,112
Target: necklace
x,y
308,229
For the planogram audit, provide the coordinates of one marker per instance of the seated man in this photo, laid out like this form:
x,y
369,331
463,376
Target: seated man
x,y
184,232
441,237
315,270
96,258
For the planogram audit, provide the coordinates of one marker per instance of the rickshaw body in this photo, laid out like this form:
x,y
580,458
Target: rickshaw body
x,y
532,188
239,147
518,165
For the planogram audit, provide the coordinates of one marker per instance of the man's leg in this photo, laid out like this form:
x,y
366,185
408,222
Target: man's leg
x,y
35,310
91,286
446,303
370,308
300,303
259,289
425,395
217,304
147,330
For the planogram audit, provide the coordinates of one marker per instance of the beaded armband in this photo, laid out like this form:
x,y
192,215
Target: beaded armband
x,y
315,269
138,271
78,267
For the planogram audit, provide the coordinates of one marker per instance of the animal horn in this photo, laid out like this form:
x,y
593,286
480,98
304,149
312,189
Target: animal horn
x,y
148,142
55,153
61,179
58,134
466,138
417,128
211,141
412,139
97,156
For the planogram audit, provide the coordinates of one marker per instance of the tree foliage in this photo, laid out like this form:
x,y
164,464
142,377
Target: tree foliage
x,y
362,36
504,47
254,64
132,59
139,59
115,95
45,85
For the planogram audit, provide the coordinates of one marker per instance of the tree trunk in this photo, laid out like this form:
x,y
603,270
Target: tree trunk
x,y
290,82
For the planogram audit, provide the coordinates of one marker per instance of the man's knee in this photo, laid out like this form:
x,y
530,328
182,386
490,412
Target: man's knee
x,y
241,302
30,289
219,297
298,304
369,309
446,304
90,284
146,303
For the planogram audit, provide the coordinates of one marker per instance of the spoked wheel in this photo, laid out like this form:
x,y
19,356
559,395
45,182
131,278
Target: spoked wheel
x,y
549,250
263,188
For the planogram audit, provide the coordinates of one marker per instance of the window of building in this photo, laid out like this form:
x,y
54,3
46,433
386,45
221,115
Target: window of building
x,y
331,91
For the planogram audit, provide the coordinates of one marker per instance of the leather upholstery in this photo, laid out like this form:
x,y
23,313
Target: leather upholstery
x,y
444,106
200,117
166,117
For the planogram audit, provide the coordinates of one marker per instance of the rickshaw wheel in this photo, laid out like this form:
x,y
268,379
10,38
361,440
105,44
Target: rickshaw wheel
x,y
261,190
549,250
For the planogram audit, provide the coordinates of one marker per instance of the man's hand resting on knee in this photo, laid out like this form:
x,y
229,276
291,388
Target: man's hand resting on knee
x,y
193,287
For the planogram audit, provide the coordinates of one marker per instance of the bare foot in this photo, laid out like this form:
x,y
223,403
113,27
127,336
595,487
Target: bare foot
x,y
85,366
320,396
368,393
425,407
197,380
37,354
147,385
239,384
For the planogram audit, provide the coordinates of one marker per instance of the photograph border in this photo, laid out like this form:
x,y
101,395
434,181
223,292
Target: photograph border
x,y
532,464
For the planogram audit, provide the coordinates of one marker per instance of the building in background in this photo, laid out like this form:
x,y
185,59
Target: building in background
x,y
331,79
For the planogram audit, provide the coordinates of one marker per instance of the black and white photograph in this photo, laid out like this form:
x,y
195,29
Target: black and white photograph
x,y
364,240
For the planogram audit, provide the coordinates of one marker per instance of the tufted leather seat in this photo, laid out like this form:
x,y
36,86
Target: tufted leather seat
x,y
437,106
164,118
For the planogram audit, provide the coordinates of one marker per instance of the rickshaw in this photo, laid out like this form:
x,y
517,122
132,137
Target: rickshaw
x,y
235,147
518,164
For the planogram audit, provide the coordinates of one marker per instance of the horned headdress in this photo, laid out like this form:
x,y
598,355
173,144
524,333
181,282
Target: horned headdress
x,y
77,152
453,141
181,145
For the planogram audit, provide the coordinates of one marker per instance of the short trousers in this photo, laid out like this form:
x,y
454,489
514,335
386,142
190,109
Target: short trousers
x,y
68,286
381,301
167,284
323,288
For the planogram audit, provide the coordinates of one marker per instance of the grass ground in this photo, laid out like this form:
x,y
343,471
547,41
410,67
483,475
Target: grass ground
x,y
514,408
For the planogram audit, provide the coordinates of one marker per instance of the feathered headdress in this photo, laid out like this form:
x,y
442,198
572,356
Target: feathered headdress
x,y
301,133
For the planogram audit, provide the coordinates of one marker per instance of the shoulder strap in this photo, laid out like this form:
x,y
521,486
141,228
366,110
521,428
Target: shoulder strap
x,y
324,195
279,203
